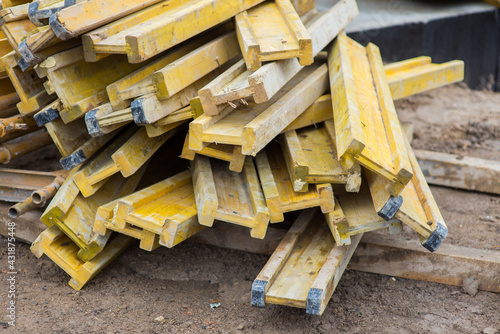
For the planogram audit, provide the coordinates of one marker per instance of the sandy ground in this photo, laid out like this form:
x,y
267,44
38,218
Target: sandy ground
x,y
179,284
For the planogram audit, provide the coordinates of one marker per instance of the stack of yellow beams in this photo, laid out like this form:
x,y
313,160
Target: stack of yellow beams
x,y
272,108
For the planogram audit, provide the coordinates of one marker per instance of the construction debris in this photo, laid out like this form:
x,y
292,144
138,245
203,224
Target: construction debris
x,y
276,125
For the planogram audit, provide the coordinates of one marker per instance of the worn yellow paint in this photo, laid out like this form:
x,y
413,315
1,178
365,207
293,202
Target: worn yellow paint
x,y
229,196
237,83
254,126
64,252
28,86
155,29
272,31
14,13
307,260
311,157
229,153
279,189
67,137
366,125
165,210
16,31
74,215
81,86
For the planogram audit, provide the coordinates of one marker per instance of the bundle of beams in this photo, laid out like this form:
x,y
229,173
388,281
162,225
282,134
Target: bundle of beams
x,y
170,115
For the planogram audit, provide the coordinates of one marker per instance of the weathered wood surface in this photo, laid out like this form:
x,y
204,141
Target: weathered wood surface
x,y
288,38
305,268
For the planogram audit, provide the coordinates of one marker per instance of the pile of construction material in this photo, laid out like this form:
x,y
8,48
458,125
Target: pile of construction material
x,y
270,105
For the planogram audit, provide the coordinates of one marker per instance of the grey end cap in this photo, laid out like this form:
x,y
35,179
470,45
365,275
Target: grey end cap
x,y
436,238
138,112
68,3
26,54
23,64
313,305
46,116
59,29
32,11
92,124
259,293
73,160
391,207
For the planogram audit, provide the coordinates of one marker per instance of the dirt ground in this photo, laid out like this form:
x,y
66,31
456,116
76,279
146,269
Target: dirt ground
x,y
179,284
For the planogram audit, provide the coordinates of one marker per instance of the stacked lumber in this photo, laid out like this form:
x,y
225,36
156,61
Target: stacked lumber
x,y
169,115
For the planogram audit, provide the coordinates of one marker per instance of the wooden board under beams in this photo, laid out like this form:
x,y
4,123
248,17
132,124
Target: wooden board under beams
x,y
278,187
367,128
288,38
354,213
305,268
81,93
229,196
28,86
311,157
229,153
149,32
238,83
253,127
421,75
74,214
173,72
162,214
418,208
64,252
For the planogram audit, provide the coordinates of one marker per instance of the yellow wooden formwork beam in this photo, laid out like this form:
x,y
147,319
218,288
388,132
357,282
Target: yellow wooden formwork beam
x,y
170,121
125,155
60,249
147,33
229,196
355,214
306,267
87,15
288,38
253,127
16,31
74,214
278,187
304,6
28,86
162,214
15,13
173,72
229,153
311,157
238,83
418,208
81,93
367,129
96,129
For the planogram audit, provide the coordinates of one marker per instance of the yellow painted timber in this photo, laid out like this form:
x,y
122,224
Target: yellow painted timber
x,y
28,86
253,127
127,154
418,209
81,93
419,74
15,13
60,249
74,214
306,267
229,153
149,32
303,6
278,187
16,31
272,30
109,122
173,72
162,214
67,137
87,15
355,214
236,83
311,157
149,108
170,121
366,125
229,196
